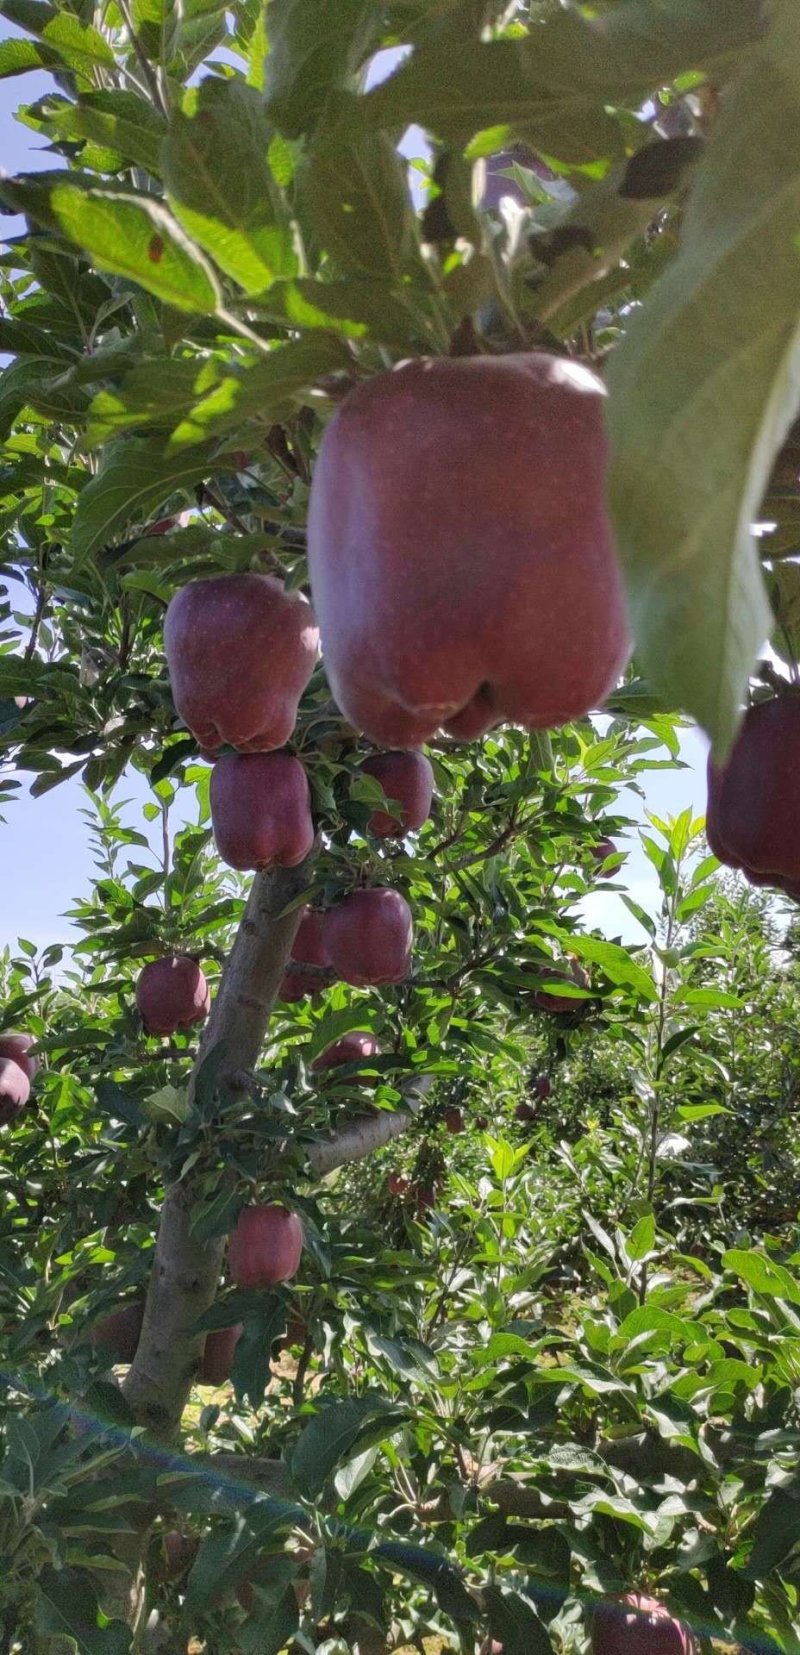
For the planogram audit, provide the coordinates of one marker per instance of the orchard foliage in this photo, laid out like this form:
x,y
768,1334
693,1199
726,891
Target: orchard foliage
x,y
540,1347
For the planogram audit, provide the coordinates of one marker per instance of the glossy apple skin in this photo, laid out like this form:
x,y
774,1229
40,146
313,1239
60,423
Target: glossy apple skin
x,y
240,651
15,1089
638,1625
261,810
218,1352
119,1332
17,1046
460,551
265,1247
549,999
356,1047
172,994
408,778
309,943
754,799
368,936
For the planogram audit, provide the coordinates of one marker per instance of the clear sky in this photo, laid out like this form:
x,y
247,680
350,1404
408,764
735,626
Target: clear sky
x,y
44,856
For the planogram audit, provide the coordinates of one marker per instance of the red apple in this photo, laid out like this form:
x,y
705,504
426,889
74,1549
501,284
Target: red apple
x,y
368,936
163,526
426,1196
408,779
638,1625
297,983
542,1087
119,1332
265,1247
496,186
454,1120
549,999
218,1352
180,1551
601,852
296,1329
398,1184
754,799
15,1089
17,1046
460,549
524,1112
352,1048
309,943
261,810
171,994
240,651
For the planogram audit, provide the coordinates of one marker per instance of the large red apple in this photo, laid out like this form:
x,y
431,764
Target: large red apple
x,y
171,994
368,936
218,1352
261,810
461,558
240,651
17,1046
309,943
550,999
356,1047
119,1332
265,1247
754,799
15,1089
638,1625
408,779
454,1120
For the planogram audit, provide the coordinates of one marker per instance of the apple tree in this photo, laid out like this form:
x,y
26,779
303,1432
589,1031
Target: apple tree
x,y
368,1272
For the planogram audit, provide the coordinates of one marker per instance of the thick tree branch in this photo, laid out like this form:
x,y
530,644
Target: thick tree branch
x,y
186,1269
365,1134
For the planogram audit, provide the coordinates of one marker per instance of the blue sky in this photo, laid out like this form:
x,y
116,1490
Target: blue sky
x,y
44,855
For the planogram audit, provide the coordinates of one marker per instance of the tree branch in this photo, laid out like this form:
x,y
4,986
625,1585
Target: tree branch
x,y
186,1269
366,1133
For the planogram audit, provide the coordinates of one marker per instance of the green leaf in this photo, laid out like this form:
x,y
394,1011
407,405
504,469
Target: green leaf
x,y
775,1534
121,121
642,1237
18,57
126,234
616,963
315,47
136,476
329,1437
513,1621
221,189
66,1608
762,1274
356,197
698,408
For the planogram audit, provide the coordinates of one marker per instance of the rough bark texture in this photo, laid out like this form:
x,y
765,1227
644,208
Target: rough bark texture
x,y
367,1133
186,1271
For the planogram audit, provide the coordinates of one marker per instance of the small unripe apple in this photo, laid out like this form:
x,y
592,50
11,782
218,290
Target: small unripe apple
x,y
454,1120
119,1332
15,1089
638,1625
17,1047
309,943
240,651
180,1551
460,549
172,994
261,810
408,778
368,936
542,1087
356,1047
550,999
265,1247
524,1112
754,798
218,1352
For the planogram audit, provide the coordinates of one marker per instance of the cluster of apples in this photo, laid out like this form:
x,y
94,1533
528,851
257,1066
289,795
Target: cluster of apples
x,y
17,1071
754,798
264,1249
